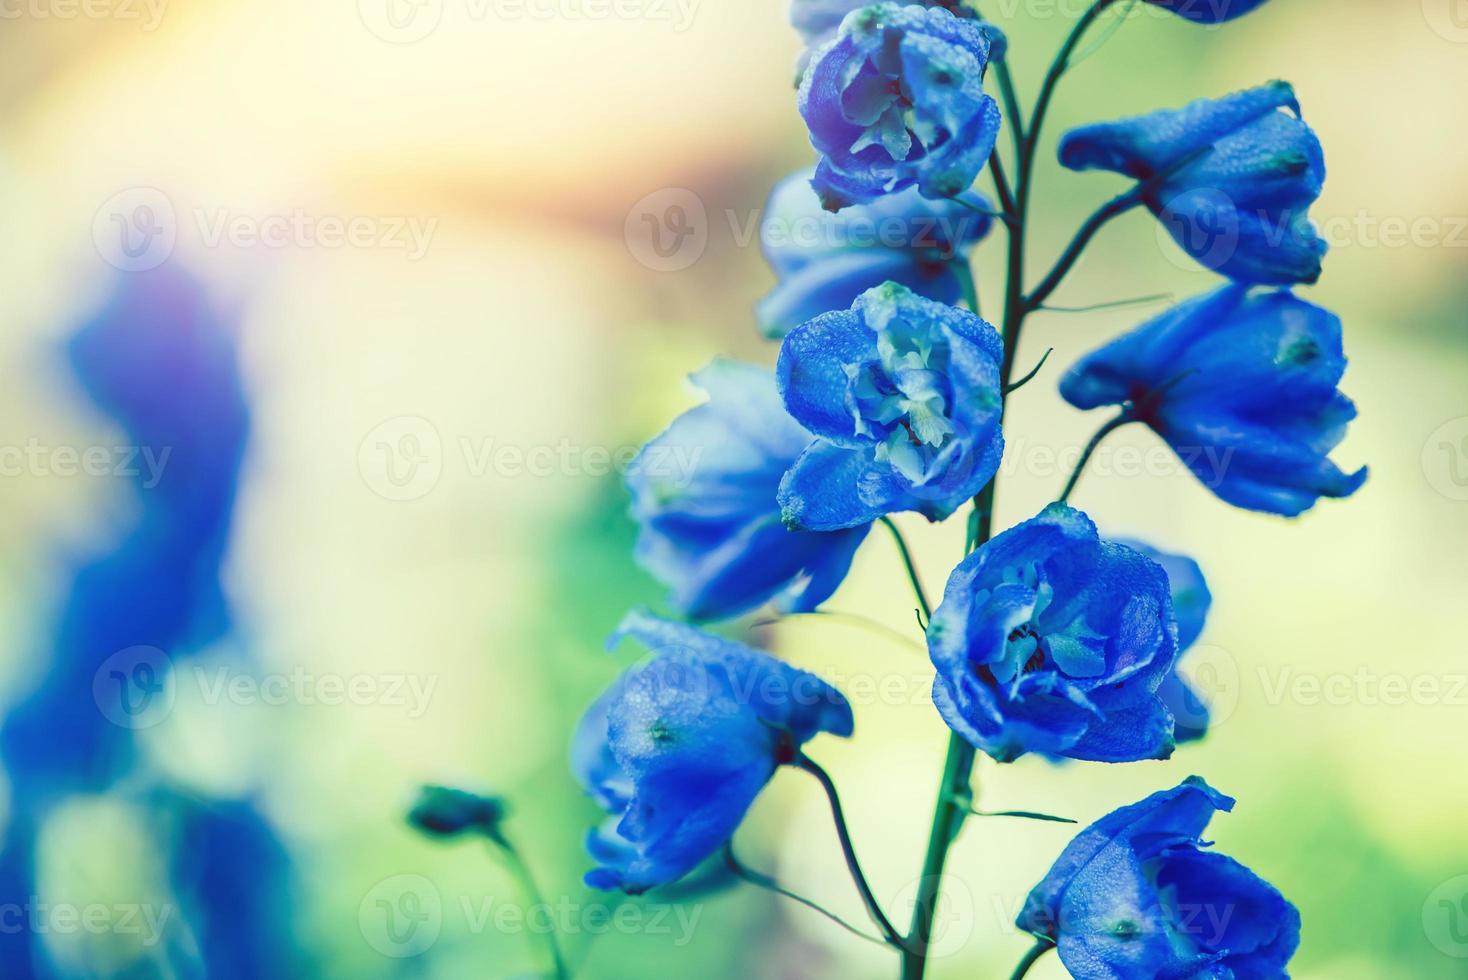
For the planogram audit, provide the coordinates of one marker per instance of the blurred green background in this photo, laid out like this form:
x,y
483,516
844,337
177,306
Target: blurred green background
x,y
530,152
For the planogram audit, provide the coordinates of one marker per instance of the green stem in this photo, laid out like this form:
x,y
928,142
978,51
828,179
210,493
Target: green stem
x,y
1058,68
1040,948
850,619
1115,304
528,889
758,880
912,574
848,851
1017,385
1022,815
953,806
1118,205
1002,188
1011,105
1090,450
955,794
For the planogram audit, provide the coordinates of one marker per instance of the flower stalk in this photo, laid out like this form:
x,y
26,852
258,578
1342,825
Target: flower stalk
x,y
956,785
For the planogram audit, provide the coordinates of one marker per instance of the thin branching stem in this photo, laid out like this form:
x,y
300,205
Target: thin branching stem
x,y
1090,450
1116,304
1017,385
769,884
1040,948
848,851
521,870
850,619
912,572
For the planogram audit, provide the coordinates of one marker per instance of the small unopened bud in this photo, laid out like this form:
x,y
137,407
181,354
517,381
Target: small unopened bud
x,y
442,811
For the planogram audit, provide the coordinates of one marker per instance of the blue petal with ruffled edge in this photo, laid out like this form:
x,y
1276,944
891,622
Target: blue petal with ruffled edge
x,y
1242,385
1190,603
1240,206
1051,640
681,744
897,100
825,260
817,21
903,396
1136,895
704,495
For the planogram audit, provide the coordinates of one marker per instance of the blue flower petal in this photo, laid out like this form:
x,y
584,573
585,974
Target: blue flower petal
x,y
938,136
813,376
831,487
682,743
1242,172
1050,640
1209,11
1138,832
1243,386
705,495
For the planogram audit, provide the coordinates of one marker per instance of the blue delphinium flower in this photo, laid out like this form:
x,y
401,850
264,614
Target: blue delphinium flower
x,y
1243,387
1239,208
704,493
1136,895
1051,640
824,260
903,394
1208,11
679,747
816,21
1190,603
897,99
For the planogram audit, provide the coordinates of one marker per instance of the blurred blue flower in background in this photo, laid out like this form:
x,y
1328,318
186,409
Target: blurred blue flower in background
x,y
703,493
1240,176
896,100
1051,640
1136,895
824,261
161,363
904,395
1243,387
681,744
